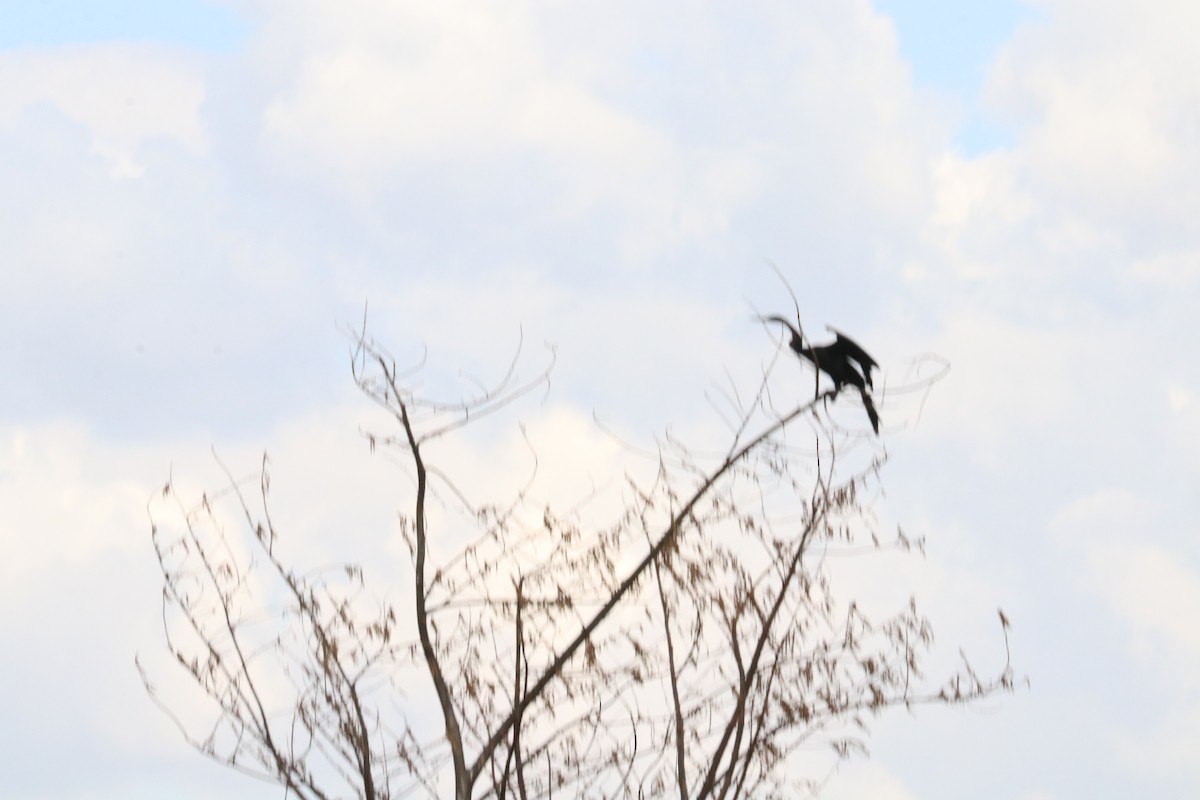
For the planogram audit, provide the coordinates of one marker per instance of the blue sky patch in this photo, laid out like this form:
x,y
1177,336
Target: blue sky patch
x,y
47,23
950,45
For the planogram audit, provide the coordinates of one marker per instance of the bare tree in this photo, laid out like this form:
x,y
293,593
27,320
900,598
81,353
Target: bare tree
x,y
690,646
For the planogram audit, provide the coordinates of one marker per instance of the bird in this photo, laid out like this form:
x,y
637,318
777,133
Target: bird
x,y
843,360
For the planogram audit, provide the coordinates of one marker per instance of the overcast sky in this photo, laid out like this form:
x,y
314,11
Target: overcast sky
x,y
194,196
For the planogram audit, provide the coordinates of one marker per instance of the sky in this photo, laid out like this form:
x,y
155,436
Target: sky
x,y
197,198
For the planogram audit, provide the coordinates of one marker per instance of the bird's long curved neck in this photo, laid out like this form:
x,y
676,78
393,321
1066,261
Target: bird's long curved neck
x,y
797,342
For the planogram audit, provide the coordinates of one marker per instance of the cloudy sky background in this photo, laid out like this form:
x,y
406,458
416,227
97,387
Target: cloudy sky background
x,y
195,195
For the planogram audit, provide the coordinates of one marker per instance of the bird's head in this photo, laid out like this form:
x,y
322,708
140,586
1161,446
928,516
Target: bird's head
x,y
796,338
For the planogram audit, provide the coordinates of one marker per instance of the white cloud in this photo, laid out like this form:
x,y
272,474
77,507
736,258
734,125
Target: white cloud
x,y
1005,375
1153,590
1170,747
79,583
865,779
1173,270
417,85
1108,92
80,579
595,118
1096,202
1156,593
66,499
1179,398
978,204
607,176
125,96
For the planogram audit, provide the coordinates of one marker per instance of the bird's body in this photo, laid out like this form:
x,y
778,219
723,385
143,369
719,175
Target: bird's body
x,y
844,347
843,360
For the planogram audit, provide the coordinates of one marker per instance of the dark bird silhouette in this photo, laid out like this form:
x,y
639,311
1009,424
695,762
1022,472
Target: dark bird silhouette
x,y
843,360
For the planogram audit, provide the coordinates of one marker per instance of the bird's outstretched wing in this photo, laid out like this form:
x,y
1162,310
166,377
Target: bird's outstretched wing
x,y
852,349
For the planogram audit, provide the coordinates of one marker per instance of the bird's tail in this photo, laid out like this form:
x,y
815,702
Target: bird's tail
x,y
872,414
